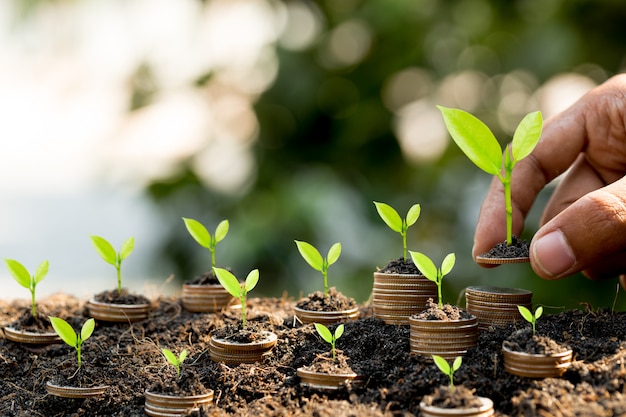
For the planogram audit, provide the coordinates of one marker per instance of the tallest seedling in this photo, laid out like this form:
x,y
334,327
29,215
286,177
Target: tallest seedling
x,y
482,148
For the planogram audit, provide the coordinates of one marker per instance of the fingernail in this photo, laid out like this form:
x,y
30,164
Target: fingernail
x,y
552,254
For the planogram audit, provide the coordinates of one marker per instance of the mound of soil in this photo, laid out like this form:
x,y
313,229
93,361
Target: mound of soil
x,y
127,357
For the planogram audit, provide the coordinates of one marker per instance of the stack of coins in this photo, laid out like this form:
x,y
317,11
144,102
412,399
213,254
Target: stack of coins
x,y
446,338
495,306
398,296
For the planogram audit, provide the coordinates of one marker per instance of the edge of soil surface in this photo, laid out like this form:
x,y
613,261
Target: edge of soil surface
x,y
127,357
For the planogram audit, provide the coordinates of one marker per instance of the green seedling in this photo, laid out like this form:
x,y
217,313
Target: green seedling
x,y
204,238
237,289
433,273
108,253
448,369
329,337
313,257
391,217
530,317
70,337
175,361
480,145
26,280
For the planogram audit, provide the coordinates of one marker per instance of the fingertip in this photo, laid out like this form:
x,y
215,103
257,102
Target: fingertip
x,y
551,255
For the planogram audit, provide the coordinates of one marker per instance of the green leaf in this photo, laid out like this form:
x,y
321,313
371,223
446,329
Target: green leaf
x,y
42,271
442,364
413,215
526,135
228,281
528,316
198,232
538,312
448,263
339,331
390,216
182,356
311,255
87,329
252,279
474,138
127,247
324,332
457,363
19,272
333,253
104,248
64,330
169,355
425,265
221,231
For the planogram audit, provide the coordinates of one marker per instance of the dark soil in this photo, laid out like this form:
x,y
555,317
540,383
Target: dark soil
x,y
208,278
447,312
127,357
334,301
459,397
124,297
238,334
401,266
517,249
523,340
189,383
325,363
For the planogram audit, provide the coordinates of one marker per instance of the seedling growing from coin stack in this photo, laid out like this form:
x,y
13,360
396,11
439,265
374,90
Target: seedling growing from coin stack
x,y
329,337
237,289
204,238
530,317
174,360
448,369
391,217
433,273
70,337
26,280
313,257
108,253
480,145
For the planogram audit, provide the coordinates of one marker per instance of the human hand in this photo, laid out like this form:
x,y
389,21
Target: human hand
x,y
583,227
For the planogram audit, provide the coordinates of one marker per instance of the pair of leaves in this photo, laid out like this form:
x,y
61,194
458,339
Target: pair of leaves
x,y
428,268
326,334
391,217
108,253
202,235
23,277
232,284
68,335
480,145
445,367
528,315
314,258
175,361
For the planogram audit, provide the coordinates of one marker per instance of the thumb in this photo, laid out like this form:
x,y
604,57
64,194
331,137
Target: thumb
x,y
587,236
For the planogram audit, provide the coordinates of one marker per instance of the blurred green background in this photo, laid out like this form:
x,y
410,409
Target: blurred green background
x,y
335,109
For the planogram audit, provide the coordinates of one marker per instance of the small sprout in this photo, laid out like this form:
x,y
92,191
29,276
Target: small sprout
x,y
107,252
69,336
26,280
313,257
431,272
235,288
391,217
329,337
175,361
480,145
204,238
445,367
530,317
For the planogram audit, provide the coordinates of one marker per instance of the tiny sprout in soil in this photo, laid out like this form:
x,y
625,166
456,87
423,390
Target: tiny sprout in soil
x,y
329,337
530,317
204,238
107,252
391,217
433,273
70,337
175,361
480,145
313,257
237,289
448,369
26,280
